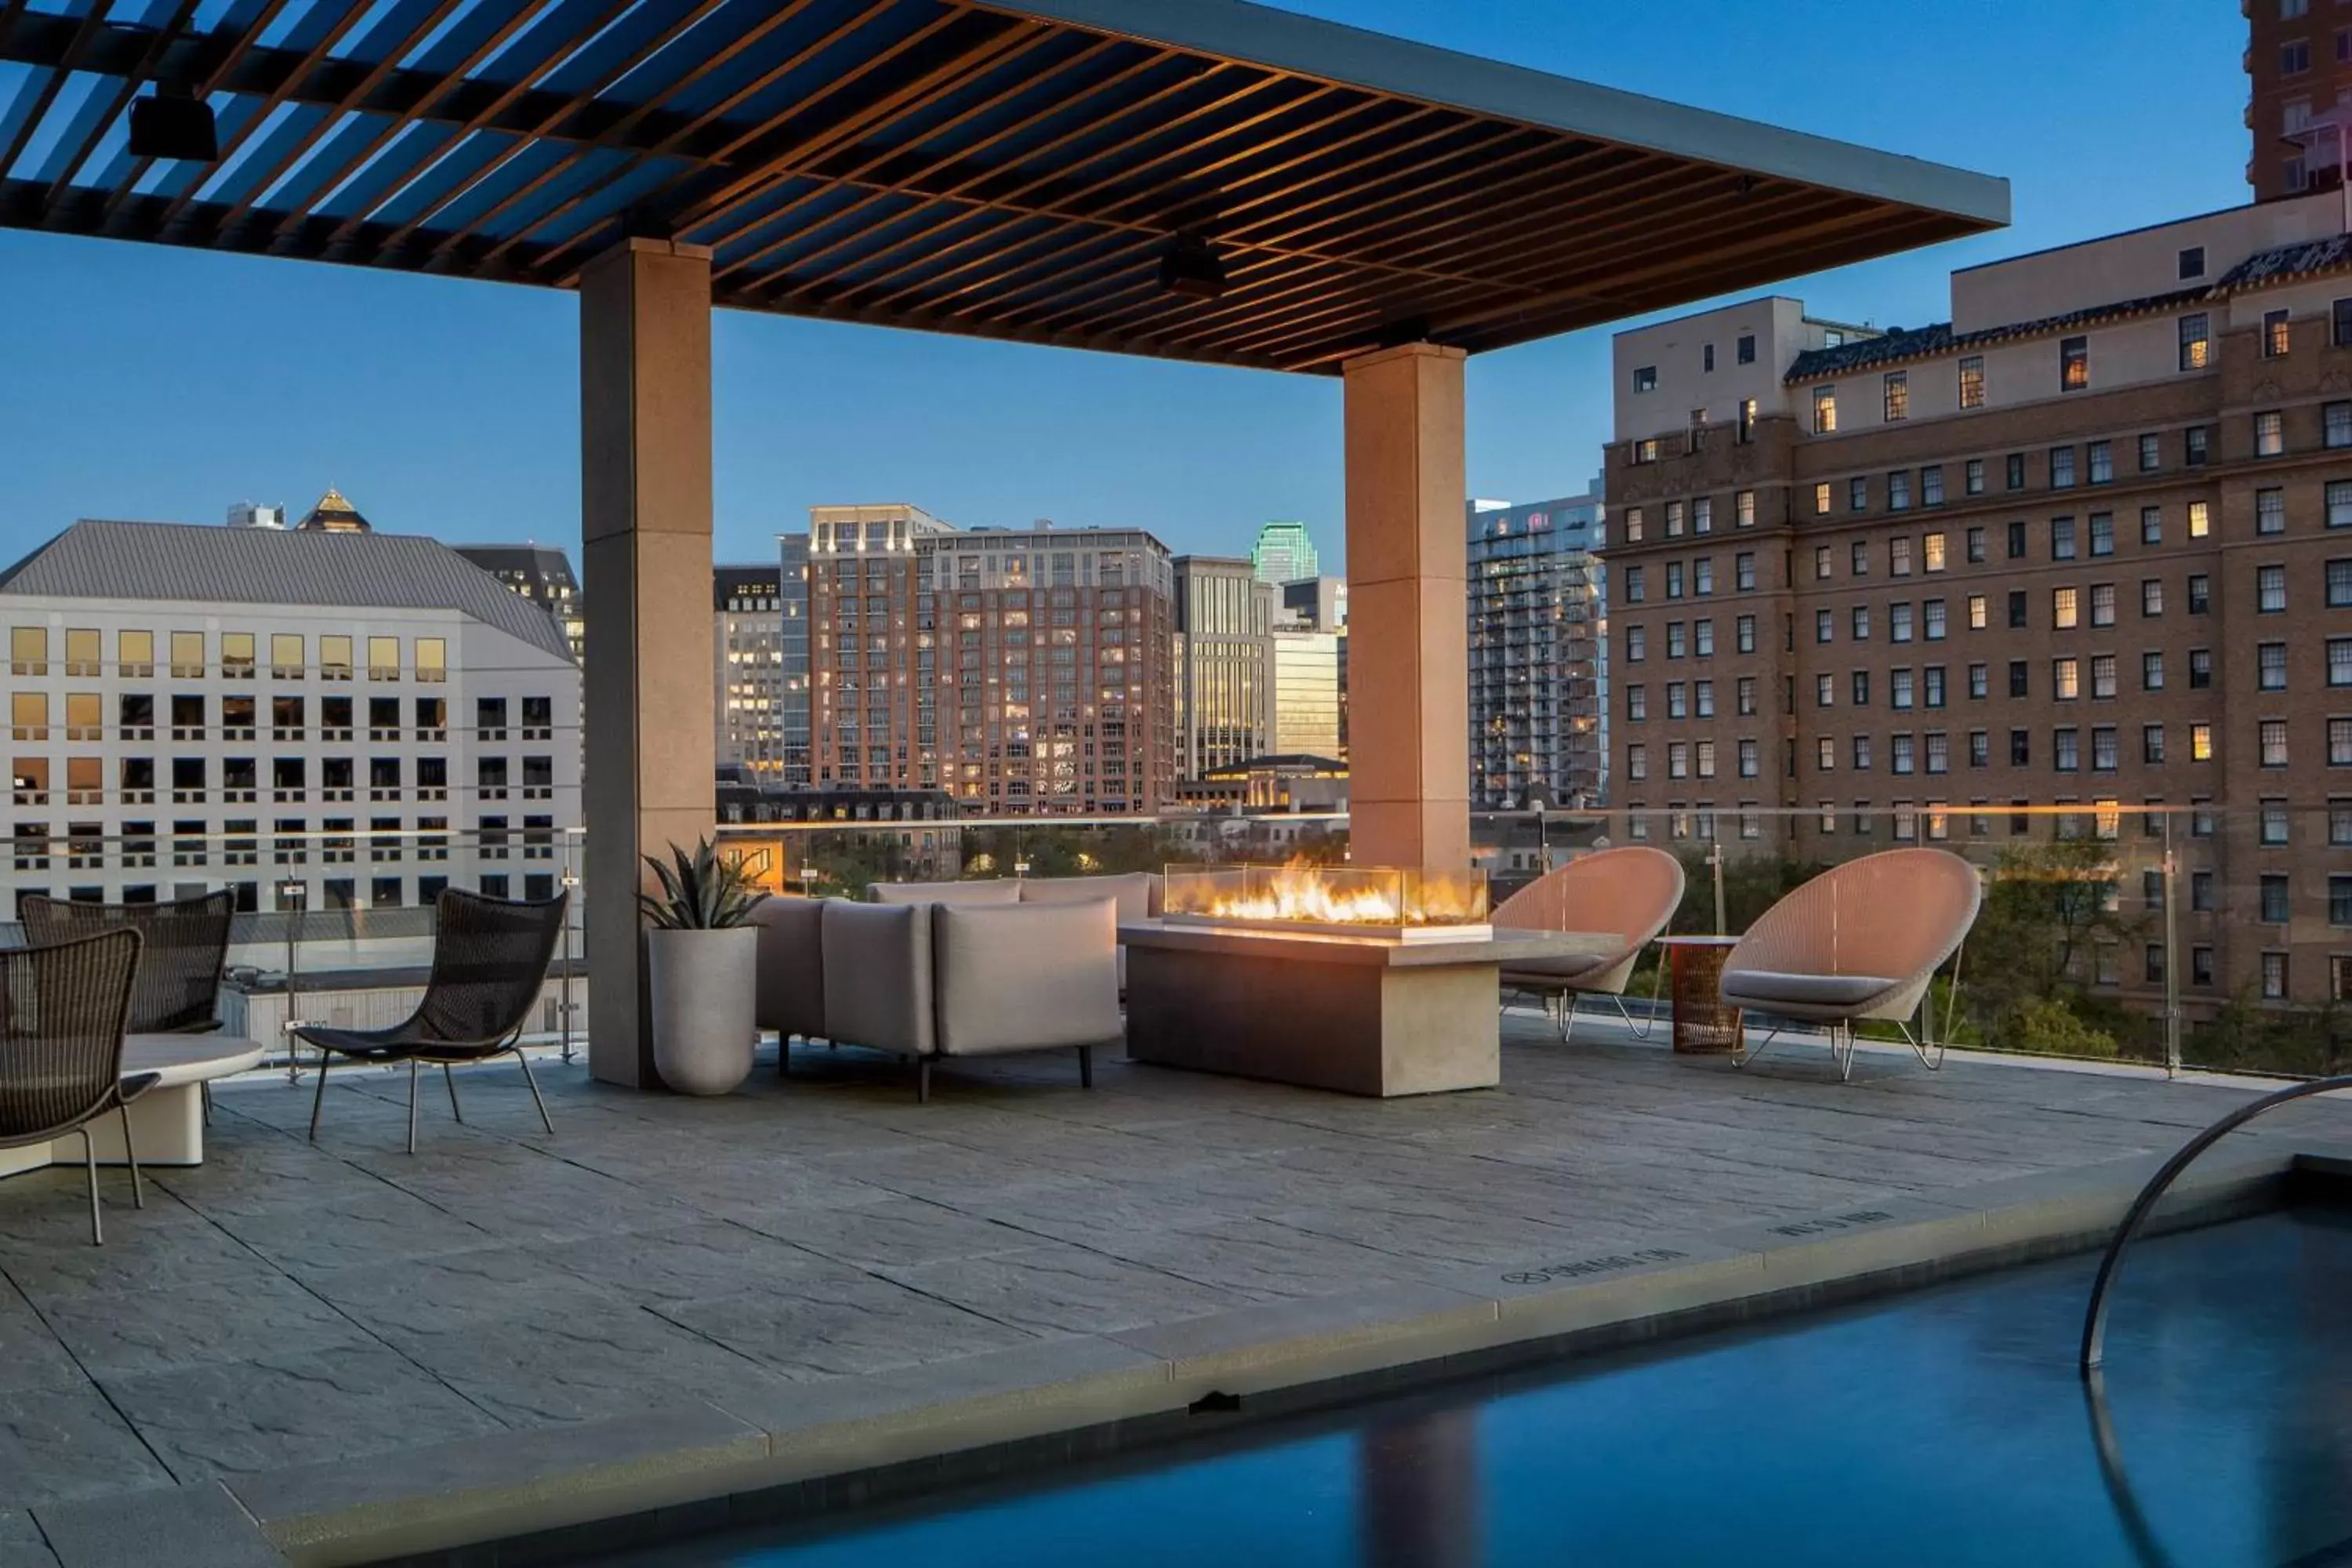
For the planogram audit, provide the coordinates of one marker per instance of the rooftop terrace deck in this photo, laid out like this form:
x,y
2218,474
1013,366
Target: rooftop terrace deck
x,y
682,1283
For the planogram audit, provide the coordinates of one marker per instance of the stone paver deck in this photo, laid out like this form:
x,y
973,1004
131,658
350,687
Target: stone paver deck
x,y
290,1305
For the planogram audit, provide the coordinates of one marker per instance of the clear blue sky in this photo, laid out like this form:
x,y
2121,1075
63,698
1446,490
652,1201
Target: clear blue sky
x,y
145,383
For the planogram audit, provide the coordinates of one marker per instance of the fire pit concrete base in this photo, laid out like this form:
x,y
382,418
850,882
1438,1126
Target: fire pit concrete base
x,y
1359,1015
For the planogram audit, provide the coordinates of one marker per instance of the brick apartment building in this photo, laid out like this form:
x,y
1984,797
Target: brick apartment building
x,y
2090,541
1023,671
2298,69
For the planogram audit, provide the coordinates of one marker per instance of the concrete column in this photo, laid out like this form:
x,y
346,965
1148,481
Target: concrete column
x,y
644,493
1408,648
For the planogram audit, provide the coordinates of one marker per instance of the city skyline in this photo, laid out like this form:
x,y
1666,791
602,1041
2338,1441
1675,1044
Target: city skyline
x,y
452,409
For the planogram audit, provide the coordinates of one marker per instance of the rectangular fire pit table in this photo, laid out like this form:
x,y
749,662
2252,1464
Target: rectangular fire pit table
x,y
1360,1015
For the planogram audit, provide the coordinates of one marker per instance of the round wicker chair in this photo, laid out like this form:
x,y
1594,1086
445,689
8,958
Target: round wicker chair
x,y
1630,893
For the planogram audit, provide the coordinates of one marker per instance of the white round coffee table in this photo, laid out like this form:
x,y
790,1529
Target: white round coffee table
x,y
167,1122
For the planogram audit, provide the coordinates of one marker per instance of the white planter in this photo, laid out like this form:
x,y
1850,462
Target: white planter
x,y
702,993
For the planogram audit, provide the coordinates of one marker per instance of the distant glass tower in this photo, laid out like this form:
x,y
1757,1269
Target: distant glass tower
x,y
1539,671
1284,553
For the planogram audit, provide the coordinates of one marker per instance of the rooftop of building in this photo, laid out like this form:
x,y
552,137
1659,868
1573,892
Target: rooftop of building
x,y
735,582
100,559
2279,264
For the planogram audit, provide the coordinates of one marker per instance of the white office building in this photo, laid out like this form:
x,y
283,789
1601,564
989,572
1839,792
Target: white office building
x,y
342,718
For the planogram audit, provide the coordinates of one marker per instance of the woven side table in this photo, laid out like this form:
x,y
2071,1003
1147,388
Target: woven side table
x,y
1702,1026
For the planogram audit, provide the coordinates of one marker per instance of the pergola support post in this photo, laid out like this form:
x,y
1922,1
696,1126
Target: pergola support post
x,y
644,492
1408,651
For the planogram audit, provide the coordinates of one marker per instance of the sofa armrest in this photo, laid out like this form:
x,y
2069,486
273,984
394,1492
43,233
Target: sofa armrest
x,y
1032,976
877,976
791,987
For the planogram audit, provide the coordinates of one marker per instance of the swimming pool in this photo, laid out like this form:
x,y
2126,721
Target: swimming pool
x,y
1944,1426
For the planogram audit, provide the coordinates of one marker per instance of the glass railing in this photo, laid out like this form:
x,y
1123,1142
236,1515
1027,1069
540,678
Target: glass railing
x,y
2176,935
2180,936
332,926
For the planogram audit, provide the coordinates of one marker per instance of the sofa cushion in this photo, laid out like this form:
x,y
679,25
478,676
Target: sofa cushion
x,y
1764,986
1556,971
877,976
1026,978
1132,890
997,890
791,988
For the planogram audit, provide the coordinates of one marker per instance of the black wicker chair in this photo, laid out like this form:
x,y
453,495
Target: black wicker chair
x,y
183,949
62,1013
489,959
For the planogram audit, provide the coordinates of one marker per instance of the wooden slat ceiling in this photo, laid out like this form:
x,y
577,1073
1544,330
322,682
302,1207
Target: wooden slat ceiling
x,y
956,165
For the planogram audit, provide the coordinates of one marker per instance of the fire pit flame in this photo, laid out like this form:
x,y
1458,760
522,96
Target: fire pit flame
x,y
1304,898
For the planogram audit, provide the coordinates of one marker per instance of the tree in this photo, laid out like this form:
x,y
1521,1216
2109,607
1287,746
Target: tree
x,y
2048,906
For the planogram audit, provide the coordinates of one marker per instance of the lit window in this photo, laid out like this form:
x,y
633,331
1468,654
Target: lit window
x,y
1972,384
1743,506
2065,680
1977,614
2073,363
1822,499
1825,410
1932,551
2201,520
1897,395
2196,343
2275,339
2201,743
2065,608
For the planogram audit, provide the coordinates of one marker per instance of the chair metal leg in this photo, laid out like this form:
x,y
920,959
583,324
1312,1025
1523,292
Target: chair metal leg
x,y
411,1105
89,1160
204,1094
923,1081
1742,1057
138,1192
450,1079
533,1083
1567,1016
318,1093
1085,1067
1842,1048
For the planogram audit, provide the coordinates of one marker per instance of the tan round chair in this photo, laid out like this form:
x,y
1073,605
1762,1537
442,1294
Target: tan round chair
x,y
1860,940
1629,893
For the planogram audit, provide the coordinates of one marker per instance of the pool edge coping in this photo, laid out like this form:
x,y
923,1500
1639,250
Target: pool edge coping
x,y
668,1473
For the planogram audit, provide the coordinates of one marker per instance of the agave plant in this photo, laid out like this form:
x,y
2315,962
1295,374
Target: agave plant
x,y
700,891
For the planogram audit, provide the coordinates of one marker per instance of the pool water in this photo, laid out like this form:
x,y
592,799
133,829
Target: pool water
x,y
1946,1427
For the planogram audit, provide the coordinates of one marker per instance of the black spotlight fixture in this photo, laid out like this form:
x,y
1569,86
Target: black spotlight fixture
x,y
1190,266
174,124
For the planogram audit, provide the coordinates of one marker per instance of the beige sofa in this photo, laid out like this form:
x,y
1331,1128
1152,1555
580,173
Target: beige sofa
x,y
1137,894
926,979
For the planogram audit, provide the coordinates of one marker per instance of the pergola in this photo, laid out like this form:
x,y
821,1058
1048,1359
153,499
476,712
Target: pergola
x,y
1194,179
